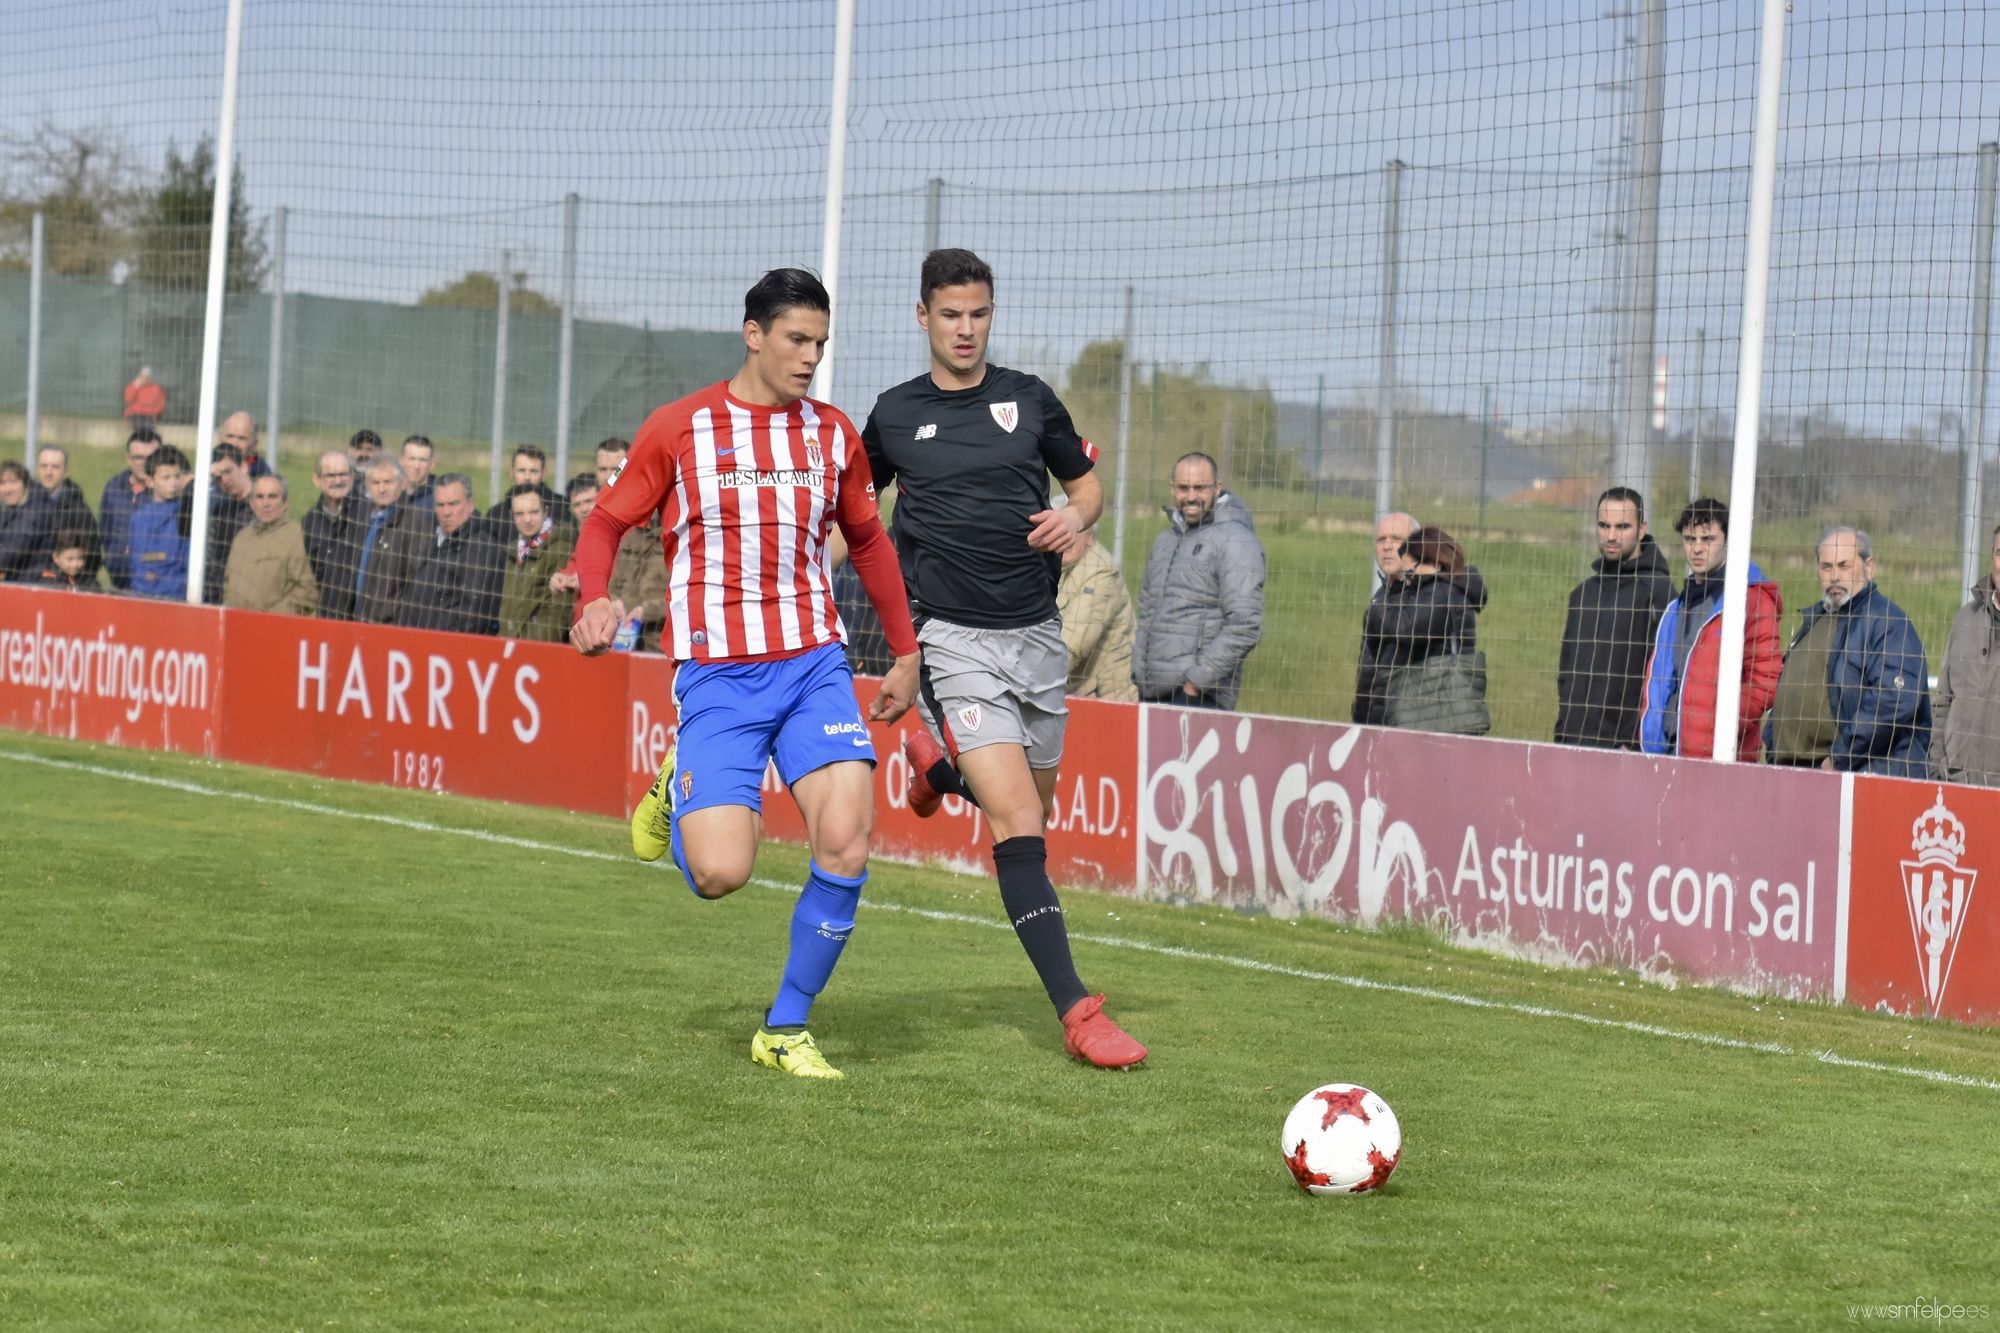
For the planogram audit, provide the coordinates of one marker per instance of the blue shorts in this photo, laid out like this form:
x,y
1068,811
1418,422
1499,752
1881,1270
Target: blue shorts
x,y
735,717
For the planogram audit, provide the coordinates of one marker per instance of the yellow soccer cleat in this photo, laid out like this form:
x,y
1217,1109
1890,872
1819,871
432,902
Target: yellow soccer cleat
x,y
792,1052
653,817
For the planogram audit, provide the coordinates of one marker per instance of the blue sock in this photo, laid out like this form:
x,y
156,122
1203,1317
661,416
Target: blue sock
x,y
821,924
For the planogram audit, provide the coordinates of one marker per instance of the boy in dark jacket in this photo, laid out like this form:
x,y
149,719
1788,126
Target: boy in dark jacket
x,y
159,540
66,567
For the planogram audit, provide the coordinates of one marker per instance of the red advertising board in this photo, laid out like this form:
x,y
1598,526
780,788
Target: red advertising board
x,y
1092,839
1572,855
460,713
1724,873
1923,924
121,670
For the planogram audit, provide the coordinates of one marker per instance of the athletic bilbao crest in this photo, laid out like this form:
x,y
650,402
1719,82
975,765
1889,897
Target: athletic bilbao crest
x,y
969,715
1006,414
1937,890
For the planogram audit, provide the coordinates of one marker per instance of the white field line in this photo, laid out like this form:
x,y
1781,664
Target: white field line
x,y
1108,941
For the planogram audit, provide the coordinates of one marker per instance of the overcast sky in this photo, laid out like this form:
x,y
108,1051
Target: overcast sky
x,y
1225,160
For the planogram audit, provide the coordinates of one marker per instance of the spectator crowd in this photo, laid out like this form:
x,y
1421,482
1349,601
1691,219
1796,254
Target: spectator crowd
x,y
386,540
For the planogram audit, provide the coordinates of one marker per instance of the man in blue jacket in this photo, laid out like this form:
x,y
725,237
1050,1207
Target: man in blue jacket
x,y
123,494
159,534
1855,693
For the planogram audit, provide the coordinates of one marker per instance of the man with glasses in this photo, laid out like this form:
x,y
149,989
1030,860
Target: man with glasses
x,y
1677,715
123,493
1201,603
333,530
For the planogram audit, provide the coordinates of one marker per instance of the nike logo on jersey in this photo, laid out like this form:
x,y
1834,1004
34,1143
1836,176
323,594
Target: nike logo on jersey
x,y
722,452
927,431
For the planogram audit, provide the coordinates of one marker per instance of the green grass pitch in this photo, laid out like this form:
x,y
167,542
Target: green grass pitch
x,y
285,1053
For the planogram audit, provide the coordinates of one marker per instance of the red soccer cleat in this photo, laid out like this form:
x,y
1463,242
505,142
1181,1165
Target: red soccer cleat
x,y
922,750
1089,1034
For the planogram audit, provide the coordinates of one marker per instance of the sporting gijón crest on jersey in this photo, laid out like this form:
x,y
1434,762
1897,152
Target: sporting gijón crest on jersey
x,y
746,496
972,467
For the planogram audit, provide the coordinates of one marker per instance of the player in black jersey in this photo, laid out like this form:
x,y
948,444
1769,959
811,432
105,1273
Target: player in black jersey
x,y
970,447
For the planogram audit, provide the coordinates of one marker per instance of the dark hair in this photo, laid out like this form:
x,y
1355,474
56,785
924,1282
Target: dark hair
x,y
361,437
524,488
584,481
167,456
226,453
1197,456
1625,495
614,444
953,268
424,440
71,541
533,452
15,468
143,435
1700,513
1435,546
784,289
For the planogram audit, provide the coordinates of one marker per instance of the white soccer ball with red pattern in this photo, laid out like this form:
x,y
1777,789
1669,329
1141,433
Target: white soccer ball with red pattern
x,y
1341,1139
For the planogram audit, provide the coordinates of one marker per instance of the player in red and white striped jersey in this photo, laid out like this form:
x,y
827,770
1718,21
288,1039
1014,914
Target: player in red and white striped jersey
x,y
749,477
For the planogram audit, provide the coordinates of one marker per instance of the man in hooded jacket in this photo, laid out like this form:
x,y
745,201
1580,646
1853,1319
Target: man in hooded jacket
x,y
1201,606
1608,633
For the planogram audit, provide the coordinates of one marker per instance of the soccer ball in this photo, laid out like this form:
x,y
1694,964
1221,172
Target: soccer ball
x,y
1341,1139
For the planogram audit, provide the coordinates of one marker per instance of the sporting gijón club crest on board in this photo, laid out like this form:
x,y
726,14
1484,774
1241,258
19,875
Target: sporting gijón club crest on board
x,y
1937,892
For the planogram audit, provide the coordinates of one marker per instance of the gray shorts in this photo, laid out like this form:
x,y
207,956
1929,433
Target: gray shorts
x,y
995,687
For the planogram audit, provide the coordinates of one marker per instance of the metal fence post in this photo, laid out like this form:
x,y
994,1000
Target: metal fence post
x,y
1319,438
1633,465
566,349
1700,387
1972,517
1385,412
501,303
933,213
1749,378
1124,437
37,247
211,326
836,186
274,385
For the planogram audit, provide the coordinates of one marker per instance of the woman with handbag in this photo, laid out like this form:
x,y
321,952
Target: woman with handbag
x,y
1421,668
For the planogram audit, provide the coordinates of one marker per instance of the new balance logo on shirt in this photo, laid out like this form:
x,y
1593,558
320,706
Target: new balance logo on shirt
x,y
927,431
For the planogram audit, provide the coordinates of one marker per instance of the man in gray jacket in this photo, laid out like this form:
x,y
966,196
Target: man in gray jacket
x,y
1201,606
1965,725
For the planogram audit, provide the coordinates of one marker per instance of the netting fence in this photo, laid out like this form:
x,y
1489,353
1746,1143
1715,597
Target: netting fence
x,y
1479,261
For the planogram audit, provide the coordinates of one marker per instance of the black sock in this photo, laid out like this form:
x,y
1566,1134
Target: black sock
x,y
1030,900
944,779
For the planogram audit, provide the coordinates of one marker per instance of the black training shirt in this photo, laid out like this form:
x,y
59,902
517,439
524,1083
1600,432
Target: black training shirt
x,y
972,466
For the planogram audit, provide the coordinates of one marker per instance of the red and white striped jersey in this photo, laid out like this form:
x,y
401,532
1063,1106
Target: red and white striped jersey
x,y
746,497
